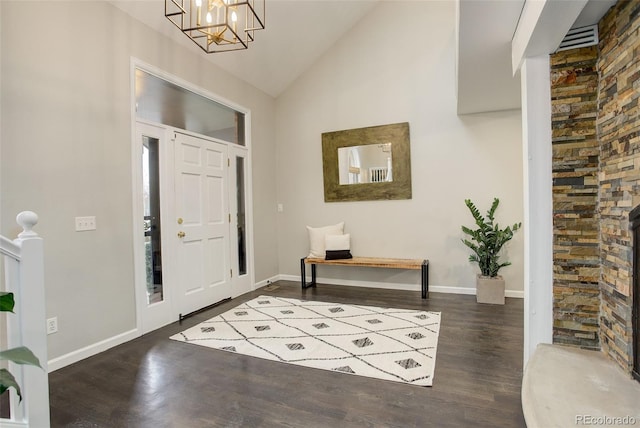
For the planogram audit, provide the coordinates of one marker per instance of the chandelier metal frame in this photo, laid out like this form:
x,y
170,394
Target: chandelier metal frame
x,y
217,25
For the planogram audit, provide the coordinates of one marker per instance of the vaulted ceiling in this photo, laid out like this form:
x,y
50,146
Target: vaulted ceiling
x,y
299,32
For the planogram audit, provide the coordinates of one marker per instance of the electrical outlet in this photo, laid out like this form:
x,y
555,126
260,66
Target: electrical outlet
x,y
52,325
85,223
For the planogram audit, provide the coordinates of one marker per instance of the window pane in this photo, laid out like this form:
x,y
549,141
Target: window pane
x,y
164,102
151,201
242,233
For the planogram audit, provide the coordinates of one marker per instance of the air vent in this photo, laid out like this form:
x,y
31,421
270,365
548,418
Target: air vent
x,y
579,38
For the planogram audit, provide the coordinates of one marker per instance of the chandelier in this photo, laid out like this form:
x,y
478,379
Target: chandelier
x,y
217,25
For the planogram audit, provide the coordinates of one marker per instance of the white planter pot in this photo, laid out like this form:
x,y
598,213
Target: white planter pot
x,y
490,290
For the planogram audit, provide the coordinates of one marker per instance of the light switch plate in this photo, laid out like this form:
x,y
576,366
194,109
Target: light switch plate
x,y
85,223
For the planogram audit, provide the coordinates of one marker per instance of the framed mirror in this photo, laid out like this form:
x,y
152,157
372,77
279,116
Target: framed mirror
x,y
367,164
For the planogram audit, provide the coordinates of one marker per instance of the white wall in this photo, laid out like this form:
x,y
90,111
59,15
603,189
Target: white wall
x,y
397,65
66,152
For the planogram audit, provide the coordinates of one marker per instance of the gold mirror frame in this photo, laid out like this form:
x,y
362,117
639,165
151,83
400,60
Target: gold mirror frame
x,y
400,188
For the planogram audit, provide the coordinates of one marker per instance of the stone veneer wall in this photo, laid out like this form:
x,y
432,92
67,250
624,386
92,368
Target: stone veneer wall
x,y
618,126
576,258
596,183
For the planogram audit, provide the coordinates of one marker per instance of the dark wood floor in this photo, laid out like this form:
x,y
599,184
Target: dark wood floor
x,y
156,382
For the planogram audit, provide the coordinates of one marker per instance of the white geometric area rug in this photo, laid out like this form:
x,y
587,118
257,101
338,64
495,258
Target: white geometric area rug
x,y
392,344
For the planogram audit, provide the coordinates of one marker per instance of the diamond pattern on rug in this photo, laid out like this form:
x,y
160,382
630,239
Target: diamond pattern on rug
x,y
345,369
361,343
408,363
391,344
415,335
295,346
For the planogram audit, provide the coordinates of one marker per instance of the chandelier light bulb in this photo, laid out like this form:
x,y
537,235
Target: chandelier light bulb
x,y
198,3
209,19
234,16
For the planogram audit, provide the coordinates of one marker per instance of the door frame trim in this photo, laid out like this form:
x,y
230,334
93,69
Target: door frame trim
x,y
138,241
136,177
233,152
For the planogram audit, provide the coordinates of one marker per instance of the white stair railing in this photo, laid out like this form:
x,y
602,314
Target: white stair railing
x,y
24,277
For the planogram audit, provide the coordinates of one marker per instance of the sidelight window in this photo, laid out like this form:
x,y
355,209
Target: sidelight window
x,y
151,202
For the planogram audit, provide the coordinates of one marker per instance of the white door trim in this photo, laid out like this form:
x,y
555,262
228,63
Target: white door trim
x,y
244,283
137,214
148,68
156,131
156,315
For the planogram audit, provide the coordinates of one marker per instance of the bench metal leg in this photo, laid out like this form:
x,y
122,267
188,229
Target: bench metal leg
x,y
303,275
425,279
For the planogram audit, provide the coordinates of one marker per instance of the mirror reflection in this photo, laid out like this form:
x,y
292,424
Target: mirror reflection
x,y
369,163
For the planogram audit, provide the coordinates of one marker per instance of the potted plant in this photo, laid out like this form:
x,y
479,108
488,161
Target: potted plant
x,y
486,241
20,355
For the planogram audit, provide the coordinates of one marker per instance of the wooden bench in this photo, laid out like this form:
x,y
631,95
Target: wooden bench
x,y
414,264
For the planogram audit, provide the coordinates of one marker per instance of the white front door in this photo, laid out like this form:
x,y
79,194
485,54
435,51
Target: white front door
x,y
202,223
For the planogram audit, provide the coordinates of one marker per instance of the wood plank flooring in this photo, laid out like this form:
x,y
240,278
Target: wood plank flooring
x,y
156,382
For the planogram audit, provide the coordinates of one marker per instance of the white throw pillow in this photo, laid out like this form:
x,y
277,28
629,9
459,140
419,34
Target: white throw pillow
x,y
338,242
317,238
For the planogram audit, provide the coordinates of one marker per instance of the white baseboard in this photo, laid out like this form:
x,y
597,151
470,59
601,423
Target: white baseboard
x,y
266,282
517,294
399,286
88,351
5,423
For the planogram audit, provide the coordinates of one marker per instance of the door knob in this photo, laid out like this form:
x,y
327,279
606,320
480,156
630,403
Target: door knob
x,y
180,220
181,234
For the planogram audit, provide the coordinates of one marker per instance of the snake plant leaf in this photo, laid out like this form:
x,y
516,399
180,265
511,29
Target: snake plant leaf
x,y
8,381
21,355
6,302
492,210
